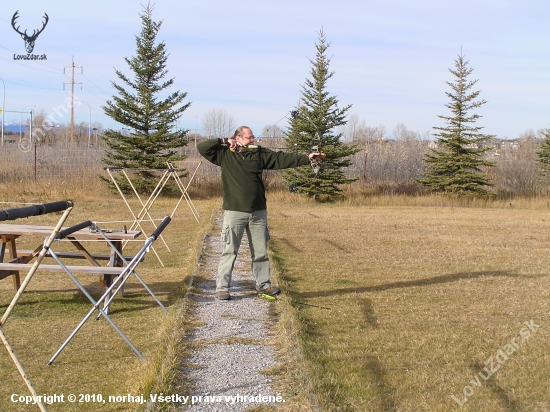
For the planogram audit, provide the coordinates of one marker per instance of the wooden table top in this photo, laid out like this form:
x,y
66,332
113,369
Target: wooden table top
x,y
34,230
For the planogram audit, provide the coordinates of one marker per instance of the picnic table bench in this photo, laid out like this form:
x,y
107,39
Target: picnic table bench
x,y
20,259
118,275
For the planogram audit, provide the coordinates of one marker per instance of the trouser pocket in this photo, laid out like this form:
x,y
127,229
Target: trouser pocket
x,y
224,234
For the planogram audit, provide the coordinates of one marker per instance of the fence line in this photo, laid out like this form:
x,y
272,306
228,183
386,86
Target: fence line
x,y
380,164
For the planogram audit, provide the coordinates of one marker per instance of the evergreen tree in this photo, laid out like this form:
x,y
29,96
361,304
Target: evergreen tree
x,y
543,158
151,119
456,166
312,126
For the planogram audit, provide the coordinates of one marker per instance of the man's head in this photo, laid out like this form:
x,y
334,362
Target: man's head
x,y
244,136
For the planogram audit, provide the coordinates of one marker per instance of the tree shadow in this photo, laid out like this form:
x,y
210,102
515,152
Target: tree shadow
x,y
291,245
368,312
386,392
337,246
510,402
453,277
140,305
135,294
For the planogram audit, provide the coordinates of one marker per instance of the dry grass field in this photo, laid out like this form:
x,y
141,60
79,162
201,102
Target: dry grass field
x,y
97,360
402,304
398,304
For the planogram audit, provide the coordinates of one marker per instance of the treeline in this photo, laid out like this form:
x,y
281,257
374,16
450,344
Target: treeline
x,y
386,164
391,163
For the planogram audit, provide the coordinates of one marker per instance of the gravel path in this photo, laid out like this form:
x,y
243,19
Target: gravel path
x,y
233,342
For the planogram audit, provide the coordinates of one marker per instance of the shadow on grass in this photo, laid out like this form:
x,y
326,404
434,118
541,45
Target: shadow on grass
x,y
453,277
368,311
337,246
291,245
506,396
136,300
380,393
57,297
385,391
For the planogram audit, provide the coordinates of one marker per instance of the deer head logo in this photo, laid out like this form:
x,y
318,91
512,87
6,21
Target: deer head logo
x,y
29,40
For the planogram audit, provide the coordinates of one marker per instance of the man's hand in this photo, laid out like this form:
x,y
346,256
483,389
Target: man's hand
x,y
232,143
316,156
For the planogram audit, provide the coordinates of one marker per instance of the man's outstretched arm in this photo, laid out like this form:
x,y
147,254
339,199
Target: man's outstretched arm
x,y
282,160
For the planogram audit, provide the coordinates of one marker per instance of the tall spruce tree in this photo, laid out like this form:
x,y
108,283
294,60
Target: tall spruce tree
x,y
151,119
543,158
456,166
316,117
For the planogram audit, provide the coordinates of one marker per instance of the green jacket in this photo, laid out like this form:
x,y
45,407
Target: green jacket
x,y
243,188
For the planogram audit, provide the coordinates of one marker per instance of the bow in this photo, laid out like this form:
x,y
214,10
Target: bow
x,y
316,143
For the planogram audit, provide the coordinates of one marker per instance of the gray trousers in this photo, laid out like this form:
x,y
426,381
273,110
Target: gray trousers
x,y
234,225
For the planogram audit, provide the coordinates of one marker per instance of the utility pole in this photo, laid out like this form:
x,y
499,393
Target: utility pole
x,y
72,83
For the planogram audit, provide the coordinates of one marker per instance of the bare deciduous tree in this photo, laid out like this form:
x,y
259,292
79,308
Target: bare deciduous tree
x,y
516,171
400,132
44,130
218,123
352,129
272,132
356,131
389,162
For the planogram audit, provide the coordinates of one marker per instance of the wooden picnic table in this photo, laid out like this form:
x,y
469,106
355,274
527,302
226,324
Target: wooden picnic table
x,y
9,233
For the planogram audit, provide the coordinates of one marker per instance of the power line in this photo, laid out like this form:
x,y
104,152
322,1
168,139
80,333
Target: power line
x,y
97,87
29,85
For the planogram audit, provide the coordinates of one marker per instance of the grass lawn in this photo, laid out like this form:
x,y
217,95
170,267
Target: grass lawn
x,y
400,308
97,360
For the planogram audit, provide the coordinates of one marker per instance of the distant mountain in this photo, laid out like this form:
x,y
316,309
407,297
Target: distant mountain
x,y
15,128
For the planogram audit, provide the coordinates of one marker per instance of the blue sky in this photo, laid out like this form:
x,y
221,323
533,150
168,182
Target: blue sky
x,y
390,57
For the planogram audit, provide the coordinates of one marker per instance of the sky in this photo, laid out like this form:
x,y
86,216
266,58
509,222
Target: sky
x,y
391,58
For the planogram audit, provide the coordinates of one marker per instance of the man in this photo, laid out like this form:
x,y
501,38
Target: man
x,y
244,202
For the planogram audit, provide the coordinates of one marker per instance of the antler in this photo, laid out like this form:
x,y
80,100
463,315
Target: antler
x,y
34,33
13,19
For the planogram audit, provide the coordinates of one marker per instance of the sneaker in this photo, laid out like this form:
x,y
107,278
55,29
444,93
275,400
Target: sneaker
x,y
223,295
270,291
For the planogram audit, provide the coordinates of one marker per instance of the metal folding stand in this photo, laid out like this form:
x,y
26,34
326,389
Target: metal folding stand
x,y
143,214
12,214
126,263
184,192
114,288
